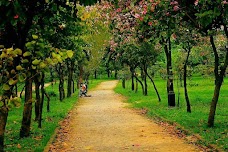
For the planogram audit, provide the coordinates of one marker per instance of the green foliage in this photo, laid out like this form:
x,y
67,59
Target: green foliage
x,y
200,93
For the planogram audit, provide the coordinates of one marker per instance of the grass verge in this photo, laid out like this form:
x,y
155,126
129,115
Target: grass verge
x,y
39,136
200,94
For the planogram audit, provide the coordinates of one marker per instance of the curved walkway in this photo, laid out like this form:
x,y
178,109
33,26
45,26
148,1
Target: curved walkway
x,y
102,123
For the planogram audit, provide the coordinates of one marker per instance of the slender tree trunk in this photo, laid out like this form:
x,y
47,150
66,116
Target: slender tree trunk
x,y
123,83
81,72
136,86
185,81
143,90
48,101
16,90
70,78
132,80
27,113
145,80
41,101
170,89
155,88
37,103
218,82
73,87
108,72
95,74
116,73
61,83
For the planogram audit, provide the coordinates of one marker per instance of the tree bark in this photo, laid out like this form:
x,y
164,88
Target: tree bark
x,y
155,88
3,117
185,81
143,90
218,82
123,83
41,101
145,80
95,74
132,80
48,101
37,103
27,112
61,83
70,78
116,73
136,86
170,89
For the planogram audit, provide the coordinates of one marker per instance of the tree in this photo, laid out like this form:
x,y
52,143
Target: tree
x,y
208,17
16,23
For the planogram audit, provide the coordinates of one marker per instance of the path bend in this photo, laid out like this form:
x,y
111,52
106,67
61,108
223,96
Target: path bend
x,y
102,123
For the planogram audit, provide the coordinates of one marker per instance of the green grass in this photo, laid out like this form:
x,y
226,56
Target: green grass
x,y
195,122
39,137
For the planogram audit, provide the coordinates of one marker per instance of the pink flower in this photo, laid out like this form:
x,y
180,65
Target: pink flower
x,y
174,3
176,8
137,16
196,2
150,23
144,11
224,2
119,10
16,16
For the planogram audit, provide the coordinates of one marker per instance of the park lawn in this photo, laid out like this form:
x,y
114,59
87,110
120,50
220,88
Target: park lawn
x,y
40,136
200,93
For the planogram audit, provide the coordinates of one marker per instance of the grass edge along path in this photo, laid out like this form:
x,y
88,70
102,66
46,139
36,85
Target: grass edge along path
x,y
191,125
40,137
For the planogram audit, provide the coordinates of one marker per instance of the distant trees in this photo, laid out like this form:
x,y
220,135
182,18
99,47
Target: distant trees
x,y
160,22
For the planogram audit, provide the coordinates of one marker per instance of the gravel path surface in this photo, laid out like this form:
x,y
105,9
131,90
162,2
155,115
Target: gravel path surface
x,y
103,123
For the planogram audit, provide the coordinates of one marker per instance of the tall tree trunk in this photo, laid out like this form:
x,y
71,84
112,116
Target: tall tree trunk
x,y
132,80
145,80
27,113
185,81
170,89
3,119
136,86
3,116
155,88
123,83
95,74
61,83
48,101
37,103
41,101
218,82
143,90
116,73
81,72
108,72
70,78
73,87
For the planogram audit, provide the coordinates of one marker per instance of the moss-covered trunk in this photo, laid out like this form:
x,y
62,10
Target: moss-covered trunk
x,y
3,116
27,112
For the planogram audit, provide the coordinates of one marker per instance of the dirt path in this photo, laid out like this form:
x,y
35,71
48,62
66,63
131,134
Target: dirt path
x,y
102,123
